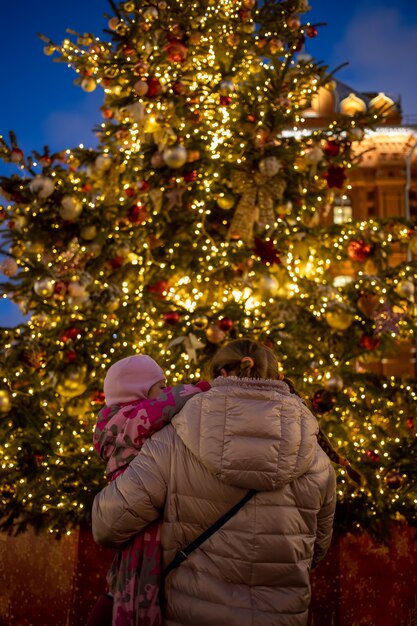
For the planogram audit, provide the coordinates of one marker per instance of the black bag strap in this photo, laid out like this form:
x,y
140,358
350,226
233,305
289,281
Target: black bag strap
x,y
185,552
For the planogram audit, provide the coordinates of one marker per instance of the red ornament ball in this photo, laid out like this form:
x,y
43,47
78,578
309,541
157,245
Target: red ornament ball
x,y
226,324
98,397
154,87
245,14
176,51
16,155
116,262
127,51
369,342
45,160
323,401
311,31
331,148
178,88
70,356
60,288
372,456
335,176
215,334
359,250
143,185
70,334
190,177
225,100
159,288
137,214
171,317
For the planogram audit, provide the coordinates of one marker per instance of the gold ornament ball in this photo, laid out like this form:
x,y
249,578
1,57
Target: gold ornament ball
x,y
226,201
249,27
9,267
44,287
200,322
113,305
226,87
339,319
406,289
5,402
141,87
129,7
150,14
113,23
175,157
88,232
88,84
293,22
72,383
71,208
103,162
71,391
275,45
215,334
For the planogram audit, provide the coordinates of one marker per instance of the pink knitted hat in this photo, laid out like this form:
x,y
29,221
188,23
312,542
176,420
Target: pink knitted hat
x,y
131,378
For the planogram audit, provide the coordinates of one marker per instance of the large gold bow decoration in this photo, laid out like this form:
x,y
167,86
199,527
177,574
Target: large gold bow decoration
x,y
258,192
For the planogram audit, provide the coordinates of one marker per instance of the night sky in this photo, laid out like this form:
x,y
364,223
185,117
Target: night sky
x,y
42,105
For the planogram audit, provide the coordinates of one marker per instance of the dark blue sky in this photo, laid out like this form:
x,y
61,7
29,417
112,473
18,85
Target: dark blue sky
x,y
42,105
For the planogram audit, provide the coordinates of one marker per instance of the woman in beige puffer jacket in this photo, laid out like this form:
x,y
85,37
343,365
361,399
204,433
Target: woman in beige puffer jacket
x,y
247,432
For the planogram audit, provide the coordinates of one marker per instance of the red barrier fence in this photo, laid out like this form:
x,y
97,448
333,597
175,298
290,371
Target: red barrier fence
x,y
45,582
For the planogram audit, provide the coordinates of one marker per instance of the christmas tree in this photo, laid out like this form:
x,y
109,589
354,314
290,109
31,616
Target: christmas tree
x,y
201,216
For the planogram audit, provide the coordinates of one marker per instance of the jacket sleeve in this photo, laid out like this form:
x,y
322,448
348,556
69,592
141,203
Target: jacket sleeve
x,y
121,430
136,497
325,519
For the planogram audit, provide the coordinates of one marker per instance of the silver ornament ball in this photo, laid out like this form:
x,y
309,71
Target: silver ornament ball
x,y
44,287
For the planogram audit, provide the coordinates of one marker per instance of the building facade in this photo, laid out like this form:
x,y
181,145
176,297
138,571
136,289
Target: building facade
x,y
382,185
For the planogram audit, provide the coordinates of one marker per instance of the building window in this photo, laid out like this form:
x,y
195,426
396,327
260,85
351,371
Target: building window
x,y
342,210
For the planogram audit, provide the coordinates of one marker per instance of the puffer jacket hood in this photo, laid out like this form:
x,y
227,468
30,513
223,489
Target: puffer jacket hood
x,y
249,433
